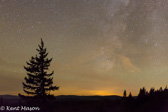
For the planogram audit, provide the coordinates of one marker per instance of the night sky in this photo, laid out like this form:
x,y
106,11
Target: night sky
x,y
99,47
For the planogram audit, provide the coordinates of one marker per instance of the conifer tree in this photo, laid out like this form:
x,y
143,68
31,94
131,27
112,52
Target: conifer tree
x,y
130,95
152,91
142,93
38,83
125,94
130,98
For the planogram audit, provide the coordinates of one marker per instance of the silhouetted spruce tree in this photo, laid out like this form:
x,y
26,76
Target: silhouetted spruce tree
x,y
38,83
125,94
152,91
165,89
160,90
130,99
130,95
142,93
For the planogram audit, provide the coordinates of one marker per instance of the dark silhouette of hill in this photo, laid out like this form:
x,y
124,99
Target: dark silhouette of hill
x,y
9,97
62,103
146,101
85,98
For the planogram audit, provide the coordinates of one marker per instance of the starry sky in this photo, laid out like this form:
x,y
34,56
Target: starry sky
x,y
99,47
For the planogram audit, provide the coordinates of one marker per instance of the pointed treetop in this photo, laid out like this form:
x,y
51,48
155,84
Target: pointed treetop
x,y
130,95
125,93
42,43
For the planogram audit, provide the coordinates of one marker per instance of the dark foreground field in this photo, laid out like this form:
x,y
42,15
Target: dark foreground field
x,y
84,104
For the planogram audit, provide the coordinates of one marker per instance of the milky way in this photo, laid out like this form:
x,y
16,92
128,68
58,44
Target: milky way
x,y
99,47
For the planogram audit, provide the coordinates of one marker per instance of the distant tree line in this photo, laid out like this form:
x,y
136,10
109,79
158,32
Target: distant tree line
x,y
154,100
147,95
